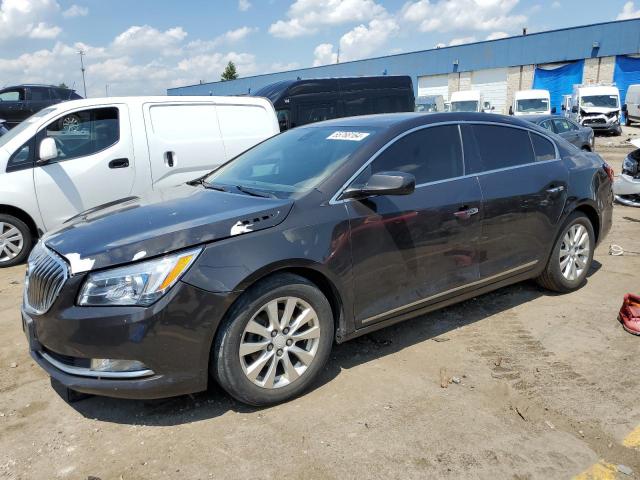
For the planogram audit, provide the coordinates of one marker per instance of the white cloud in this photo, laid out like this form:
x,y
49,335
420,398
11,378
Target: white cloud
x,y
440,45
283,67
147,38
324,55
27,18
238,34
628,11
497,35
556,5
141,60
364,41
462,15
461,41
44,31
75,11
306,16
244,5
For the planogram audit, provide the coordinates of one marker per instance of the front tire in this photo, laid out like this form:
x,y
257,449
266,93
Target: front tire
x,y
571,256
274,342
15,241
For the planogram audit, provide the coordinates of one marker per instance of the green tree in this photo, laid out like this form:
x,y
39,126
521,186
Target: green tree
x,y
230,73
63,85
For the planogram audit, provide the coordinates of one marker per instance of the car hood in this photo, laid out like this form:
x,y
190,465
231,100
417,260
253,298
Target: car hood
x,y
160,222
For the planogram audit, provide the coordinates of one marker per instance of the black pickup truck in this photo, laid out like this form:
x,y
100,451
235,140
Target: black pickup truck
x,y
20,102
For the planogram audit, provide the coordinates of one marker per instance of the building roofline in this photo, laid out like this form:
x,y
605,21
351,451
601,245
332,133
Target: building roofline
x,y
629,20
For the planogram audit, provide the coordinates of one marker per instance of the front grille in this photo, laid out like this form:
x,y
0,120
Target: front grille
x,y
46,274
590,121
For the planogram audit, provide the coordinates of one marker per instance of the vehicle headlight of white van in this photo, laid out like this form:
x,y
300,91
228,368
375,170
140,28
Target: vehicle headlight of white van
x,y
138,284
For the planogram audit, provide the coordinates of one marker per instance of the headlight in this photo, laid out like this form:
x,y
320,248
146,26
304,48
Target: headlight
x,y
630,165
138,284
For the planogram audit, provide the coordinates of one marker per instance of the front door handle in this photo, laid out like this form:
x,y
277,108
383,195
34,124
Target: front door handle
x,y
119,163
466,213
554,190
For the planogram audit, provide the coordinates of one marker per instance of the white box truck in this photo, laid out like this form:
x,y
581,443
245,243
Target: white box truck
x,y
532,102
598,107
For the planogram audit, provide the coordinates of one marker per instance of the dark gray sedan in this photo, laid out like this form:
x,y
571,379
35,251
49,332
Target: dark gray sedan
x,y
581,137
3,128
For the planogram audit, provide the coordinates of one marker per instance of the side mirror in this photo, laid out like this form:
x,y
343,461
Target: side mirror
x,y
564,108
624,108
511,110
553,110
383,183
574,109
493,108
48,150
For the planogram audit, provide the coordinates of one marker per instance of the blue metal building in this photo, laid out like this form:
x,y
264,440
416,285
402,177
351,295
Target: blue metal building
x,y
496,67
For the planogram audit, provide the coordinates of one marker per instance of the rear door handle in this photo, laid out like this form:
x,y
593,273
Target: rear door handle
x,y
554,190
468,213
119,163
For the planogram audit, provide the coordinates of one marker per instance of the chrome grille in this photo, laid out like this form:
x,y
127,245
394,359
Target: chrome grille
x,y
46,274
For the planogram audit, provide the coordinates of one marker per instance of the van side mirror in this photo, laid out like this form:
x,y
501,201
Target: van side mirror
x,y
48,150
511,110
574,109
383,183
564,108
624,108
553,110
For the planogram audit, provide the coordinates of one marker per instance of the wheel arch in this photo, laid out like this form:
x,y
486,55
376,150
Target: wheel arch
x,y
592,214
22,215
309,270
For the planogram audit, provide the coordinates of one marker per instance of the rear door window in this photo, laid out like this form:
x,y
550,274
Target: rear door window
x,y
430,154
543,148
502,147
39,94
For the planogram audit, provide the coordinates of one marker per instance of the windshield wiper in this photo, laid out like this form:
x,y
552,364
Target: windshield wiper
x,y
214,186
255,193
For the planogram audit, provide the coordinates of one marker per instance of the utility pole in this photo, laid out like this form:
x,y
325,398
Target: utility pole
x,y
82,54
338,56
106,89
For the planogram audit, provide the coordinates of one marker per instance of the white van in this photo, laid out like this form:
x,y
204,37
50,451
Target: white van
x,y
77,155
632,105
532,102
469,101
597,106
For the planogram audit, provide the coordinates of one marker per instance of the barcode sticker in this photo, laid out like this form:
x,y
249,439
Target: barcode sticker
x,y
350,136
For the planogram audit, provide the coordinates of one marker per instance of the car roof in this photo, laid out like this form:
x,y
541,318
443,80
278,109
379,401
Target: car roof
x,y
411,120
538,118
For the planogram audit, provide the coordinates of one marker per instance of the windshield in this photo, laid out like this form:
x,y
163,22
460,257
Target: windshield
x,y
426,107
606,101
464,106
293,162
14,132
532,105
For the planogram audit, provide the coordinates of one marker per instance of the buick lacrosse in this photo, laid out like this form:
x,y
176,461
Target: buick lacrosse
x,y
248,275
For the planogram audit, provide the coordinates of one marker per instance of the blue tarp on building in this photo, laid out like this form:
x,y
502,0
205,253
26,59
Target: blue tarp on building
x,y
626,72
559,81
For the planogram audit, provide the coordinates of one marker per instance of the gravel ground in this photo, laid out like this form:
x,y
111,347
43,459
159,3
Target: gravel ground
x,y
548,389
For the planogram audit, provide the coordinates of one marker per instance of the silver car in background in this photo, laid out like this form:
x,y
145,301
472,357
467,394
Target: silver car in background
x,y
582,137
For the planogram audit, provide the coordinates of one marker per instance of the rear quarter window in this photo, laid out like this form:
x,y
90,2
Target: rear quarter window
x,y
542,148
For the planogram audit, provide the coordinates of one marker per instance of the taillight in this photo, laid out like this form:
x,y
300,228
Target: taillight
x,y
609,171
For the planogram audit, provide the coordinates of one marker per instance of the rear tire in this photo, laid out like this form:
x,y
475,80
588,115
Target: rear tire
x,y
289,353
16,241
571,257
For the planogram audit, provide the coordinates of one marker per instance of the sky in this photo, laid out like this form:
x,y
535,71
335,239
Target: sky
x,y
143,47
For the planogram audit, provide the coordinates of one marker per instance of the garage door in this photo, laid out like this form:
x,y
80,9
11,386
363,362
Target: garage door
x,y
493,85
434,85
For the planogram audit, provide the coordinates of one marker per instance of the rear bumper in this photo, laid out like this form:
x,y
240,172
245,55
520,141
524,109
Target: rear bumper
x,y
172,338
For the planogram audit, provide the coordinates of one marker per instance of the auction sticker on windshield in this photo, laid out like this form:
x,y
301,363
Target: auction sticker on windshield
x,y
351,136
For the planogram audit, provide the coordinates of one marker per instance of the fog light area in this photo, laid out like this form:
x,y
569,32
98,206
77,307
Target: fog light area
x,y
112,365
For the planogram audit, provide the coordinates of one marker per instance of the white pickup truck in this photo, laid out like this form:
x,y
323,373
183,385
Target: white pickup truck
x,y
77,155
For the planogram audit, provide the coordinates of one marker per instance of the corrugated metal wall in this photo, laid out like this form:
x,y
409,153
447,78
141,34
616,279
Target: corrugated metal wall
x,y
613,38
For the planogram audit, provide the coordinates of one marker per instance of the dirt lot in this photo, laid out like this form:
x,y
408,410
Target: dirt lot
x,y
549,389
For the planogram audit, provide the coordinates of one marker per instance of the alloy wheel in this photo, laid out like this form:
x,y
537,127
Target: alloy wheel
x,y
574,252
11,242
280,342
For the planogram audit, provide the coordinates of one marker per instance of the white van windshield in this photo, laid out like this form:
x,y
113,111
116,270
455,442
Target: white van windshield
x,y
14,132
533,105
464,106
606,101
